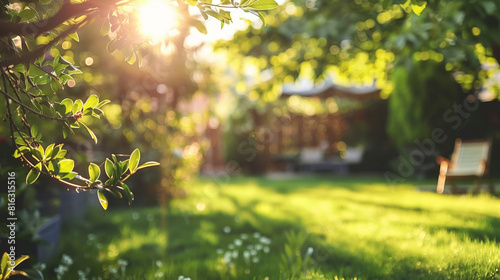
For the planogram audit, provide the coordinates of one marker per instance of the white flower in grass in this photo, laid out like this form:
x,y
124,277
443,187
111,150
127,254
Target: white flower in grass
x,y
246,254
122,262
60,270
256,234
135,216
159,274
255,259
310,250
226,229
230,246
253,252
250,247
265,240
244,236
258,247
234,254
81,275
67,260
227,257
159,263
219,251
266,250
113,270
40,266
238,242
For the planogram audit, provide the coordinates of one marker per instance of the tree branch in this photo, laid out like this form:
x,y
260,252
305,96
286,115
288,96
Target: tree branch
x,y
31,110
40,51
66,12
9,113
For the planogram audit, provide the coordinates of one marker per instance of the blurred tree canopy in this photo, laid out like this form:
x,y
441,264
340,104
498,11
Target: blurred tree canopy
x,y
364,42
37,56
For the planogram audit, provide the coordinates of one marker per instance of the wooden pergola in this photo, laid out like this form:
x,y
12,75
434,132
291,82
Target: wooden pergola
x,y
301,131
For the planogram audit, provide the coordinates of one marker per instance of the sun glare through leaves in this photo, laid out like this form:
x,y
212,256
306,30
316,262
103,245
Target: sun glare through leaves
x,y
157,19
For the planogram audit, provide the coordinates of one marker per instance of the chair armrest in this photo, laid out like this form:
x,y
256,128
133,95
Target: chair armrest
x,y
440,159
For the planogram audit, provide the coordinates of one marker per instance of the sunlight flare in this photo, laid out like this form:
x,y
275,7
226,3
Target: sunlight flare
x,y
157,19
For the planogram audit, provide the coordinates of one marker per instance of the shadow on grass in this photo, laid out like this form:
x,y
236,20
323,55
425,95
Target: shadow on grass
x,y
165,245
489,231
294,184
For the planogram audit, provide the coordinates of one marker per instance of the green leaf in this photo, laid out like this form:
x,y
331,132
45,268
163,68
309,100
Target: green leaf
x,y
20,259
192,2
33,174
5,259
115,192
215,14
68,176
20,151
261,16
19,68
55,85
138,55
102,103
77,106
203,13
34,130
74,36
258,14
131,59
27,15
200,26
263,5
36,103
148,164
61,153
66,165
92,134
418,9
65,131
68,103
48,151
117,170
20,141
133,163
123,166
111,46
105,28
102,199
52,167
405,5
94,172
6,272
55,61
128,193
108,168
97,112
75,125
33,274
37,153
91,102
42,152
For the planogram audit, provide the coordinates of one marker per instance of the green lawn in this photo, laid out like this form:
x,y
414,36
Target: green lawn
x,y
358,228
